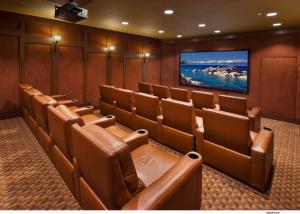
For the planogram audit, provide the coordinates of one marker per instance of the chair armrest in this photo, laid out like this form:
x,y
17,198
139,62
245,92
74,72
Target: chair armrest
x,y
136,139
177,184
59,96
262,158
84,110
199,134
71,102
254,119
105,121
217,107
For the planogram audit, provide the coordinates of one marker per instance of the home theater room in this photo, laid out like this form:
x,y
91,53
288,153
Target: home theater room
x,y
150,105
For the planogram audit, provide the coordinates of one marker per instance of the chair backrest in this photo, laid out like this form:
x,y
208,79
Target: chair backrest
x,y
145,88
107,93
178,115
161,91
28,98
105,163
124,99
60,121
40,104
202,99
227,129
179,94
22,87
237,105
147,106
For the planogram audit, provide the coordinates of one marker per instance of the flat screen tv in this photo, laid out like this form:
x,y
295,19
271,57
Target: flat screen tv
x,y
225,70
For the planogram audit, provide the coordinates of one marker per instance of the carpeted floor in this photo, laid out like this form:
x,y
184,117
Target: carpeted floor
x,y
28,180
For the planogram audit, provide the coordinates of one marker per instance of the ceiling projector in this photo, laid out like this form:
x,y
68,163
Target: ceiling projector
x,y
70,12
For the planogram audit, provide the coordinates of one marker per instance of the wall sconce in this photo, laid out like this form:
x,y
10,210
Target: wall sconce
x,y
146,56
110,48
56,38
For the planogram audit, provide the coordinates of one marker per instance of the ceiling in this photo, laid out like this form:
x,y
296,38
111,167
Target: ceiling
x,y
146,17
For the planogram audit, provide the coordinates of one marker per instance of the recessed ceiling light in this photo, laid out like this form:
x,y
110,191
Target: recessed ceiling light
x,y
259,14
179,36
169,12
161,31
277,24
125,23
217,31
201,25
271,14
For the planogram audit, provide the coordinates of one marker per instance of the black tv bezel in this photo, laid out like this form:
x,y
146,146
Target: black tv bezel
x,y
212,88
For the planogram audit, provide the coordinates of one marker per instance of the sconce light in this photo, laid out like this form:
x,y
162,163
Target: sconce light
x,y
56,38
110,48
146,56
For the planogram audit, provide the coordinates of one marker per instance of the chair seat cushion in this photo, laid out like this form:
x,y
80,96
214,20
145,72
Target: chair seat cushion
x,y
151,163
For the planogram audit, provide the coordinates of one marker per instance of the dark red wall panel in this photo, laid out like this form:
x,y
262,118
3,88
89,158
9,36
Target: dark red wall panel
x,y
9,70
152,71
96,75
97,39
152,47
70,80
117,70
37,66
38,30
133,73
117,40
279,86
134,46
68,34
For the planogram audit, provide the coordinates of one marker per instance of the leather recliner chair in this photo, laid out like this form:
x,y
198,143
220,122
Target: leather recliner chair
x,y
202,100
24,110
231,147
179,94
61,118
107,99
111,177
178,126
162,92
145,88
123,106
146,111
238,105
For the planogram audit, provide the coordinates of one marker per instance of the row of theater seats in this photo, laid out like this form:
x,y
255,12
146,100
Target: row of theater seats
x,y
105,166
225,140
200,100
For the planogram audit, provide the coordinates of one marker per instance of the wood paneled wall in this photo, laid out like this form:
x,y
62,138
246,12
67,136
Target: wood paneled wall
x,y
75,66
274,70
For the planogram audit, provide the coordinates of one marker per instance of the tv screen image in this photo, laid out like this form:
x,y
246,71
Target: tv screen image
x,y
226,70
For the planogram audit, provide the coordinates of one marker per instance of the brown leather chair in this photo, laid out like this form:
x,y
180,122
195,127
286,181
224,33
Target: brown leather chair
x,y
145,88
238,105
146,111
202,100
28,99
123,106
162,92
107,99
178,125
230,146
24,110
111,177
179,94
64,100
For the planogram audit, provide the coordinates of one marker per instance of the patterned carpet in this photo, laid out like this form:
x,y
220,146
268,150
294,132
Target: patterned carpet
x,y
28,180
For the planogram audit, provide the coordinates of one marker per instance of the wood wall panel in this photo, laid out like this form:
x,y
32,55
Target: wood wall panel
x,y
133,73
38,30
151,47
38,66
117,68
152,71
9,71
68,34
96,75
279,86
134,46
7,21
70,78
97,39
117,40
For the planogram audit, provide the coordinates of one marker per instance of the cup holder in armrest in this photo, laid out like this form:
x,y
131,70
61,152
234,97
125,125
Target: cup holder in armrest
x,y
89,107
141,131
193,155
109,116
267,129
